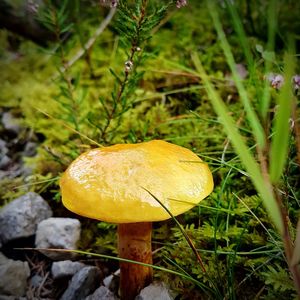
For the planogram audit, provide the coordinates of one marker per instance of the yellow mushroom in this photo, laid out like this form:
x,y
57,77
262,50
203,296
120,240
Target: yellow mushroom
x,y
110,184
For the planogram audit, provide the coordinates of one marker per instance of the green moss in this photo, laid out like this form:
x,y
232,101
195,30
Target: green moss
x,y
166,101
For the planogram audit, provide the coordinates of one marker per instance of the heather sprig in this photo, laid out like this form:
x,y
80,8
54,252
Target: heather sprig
x,y
134,25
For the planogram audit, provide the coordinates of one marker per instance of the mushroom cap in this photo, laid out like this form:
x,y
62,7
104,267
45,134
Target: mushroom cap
x,y
111,184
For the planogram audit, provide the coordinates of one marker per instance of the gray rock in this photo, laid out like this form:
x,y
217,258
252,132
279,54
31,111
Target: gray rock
x,y
15,170
3,175
60,269
21,216
154,291
82,284
36,280
58,233
4,297
102,293
10,123
112,281
25,170
3,147
13,274
108,280
5,161
30,149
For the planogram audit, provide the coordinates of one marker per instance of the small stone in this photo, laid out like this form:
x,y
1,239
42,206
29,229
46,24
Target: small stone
x,y
4,297
30,149
154,291
11,172
3,148
25,171
5,161
21,216
82,284
15,170
10,123
58,233
3,175
107,280
112,281
102,293
65,268
13,274
36,280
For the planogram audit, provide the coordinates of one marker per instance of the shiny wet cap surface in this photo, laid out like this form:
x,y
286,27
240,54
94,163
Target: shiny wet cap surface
x,y
108,184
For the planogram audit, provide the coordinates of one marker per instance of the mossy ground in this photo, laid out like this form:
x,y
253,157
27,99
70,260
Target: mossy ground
x,y
241,252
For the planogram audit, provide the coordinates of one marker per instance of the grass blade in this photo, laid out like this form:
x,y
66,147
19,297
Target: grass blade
x,y
241,149
191,244
189,241
280,139
183,275
68,127
251,115
238,26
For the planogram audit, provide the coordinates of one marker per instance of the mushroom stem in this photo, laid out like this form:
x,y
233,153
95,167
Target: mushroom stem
x,y
134,244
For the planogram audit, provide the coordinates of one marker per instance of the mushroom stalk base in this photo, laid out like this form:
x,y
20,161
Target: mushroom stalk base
x,y
134,244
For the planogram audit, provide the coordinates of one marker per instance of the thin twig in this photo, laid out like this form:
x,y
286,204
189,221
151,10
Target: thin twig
x,y
67,126
89,43
42,284
259,221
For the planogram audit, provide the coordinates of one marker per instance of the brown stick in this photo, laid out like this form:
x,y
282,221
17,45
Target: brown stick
x,y
89,43
134,244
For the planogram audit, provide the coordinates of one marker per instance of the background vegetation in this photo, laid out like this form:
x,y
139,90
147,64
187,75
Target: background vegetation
x,y
198,76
